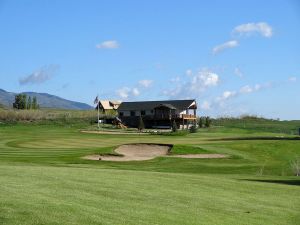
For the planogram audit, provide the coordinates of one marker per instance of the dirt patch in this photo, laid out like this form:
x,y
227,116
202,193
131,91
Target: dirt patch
x,y
200,156
138,152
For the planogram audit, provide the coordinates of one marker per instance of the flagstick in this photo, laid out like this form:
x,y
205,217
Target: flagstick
x,y
98,116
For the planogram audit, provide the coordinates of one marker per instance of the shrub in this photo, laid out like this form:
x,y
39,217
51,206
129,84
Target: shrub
x,y
193,129
295,166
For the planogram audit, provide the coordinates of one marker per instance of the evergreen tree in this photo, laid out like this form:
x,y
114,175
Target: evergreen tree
x,y
34,104
141,124
200,122
29,103
20,101
207,121
24,101
174,126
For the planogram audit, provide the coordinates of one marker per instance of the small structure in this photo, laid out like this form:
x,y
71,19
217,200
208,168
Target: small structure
x,y
107,106
159,114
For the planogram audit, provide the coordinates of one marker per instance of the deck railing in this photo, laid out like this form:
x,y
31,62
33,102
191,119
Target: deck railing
x,y
188,116
171,117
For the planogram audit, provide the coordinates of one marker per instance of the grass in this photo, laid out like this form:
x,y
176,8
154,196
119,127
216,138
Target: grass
x,y
61,195
45,181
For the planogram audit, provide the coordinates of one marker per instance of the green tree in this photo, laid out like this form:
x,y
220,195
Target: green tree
x,y
174,126
28,103
34,104
207,121
141,125
20,101
200,122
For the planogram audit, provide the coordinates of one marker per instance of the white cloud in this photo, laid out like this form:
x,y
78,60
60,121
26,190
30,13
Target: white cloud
x,y
135,92
145,83
226,95
249,29
124,92
175,79
192,86
292,79
111,44
238,72
205,105
40,76
188,72
220,48
131,92
246,89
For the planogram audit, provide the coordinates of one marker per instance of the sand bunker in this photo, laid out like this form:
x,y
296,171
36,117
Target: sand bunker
x,y
138,152
134,152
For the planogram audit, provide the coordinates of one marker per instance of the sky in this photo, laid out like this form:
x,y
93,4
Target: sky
x,y
233,57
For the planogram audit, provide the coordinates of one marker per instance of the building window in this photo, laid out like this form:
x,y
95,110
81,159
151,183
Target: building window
x,y
121,114
143,113
151,111
132,113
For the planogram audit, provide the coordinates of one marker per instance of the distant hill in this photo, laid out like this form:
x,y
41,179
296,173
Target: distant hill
x,y
44,100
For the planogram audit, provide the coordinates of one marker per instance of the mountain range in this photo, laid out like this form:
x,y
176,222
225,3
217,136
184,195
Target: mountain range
x,y
44,100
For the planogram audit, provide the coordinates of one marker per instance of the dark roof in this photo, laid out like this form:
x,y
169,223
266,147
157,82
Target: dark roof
x,y
165,106
150,105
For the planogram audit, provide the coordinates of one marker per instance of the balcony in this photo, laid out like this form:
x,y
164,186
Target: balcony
x,y
170,117
188,117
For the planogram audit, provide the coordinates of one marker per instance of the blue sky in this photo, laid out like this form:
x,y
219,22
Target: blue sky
x,y
234,57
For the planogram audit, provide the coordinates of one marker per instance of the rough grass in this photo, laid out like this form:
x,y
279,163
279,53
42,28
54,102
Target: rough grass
x,y
53,115
45,181
257,124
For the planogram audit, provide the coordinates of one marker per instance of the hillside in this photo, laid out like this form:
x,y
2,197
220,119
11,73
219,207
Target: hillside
x,y
45,100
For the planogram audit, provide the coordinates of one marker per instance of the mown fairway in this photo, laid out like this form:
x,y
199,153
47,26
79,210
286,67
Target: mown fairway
x,y
45,181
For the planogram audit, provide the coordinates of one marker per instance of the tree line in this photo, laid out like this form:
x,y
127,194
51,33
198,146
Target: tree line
x,y
22,102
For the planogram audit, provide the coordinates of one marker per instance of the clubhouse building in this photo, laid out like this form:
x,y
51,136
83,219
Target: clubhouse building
x,y
159,114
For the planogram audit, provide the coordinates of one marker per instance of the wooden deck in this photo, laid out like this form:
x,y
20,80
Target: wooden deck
x,y
170,117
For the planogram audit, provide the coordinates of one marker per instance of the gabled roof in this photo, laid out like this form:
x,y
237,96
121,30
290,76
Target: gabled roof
x,y
150,105
115,102
106,104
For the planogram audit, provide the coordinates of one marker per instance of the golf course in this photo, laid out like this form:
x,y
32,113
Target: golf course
x,y
46,179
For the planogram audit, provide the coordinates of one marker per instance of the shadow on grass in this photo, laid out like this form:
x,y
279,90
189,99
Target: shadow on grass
x,y
286,182
255,138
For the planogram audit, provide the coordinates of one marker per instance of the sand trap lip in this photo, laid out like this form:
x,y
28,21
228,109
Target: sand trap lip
x,y
200,156
139,152
112,132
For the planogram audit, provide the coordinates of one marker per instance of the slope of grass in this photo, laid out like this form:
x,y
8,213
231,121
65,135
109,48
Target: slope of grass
x,y
59,195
